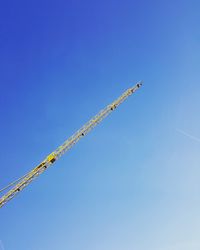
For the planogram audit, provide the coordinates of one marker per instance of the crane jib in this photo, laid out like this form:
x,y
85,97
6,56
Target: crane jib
x,y
25,180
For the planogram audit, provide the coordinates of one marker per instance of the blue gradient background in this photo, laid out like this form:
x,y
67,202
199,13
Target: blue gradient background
x,y
133,183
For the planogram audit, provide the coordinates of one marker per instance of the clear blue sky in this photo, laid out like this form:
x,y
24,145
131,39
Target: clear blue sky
x,y
133,183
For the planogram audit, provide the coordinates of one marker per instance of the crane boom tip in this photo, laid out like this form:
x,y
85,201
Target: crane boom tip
x,y
139,84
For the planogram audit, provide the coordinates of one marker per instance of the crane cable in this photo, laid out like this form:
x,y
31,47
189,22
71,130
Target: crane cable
x,y
12,183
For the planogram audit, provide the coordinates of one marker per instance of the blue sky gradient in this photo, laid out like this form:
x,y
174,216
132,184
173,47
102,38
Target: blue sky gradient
x,y
133,183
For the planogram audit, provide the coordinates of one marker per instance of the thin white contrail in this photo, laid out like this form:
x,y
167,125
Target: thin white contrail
x,y
1,245
188,135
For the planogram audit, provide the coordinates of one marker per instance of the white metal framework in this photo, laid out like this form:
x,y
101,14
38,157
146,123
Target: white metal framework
x,y
24,181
